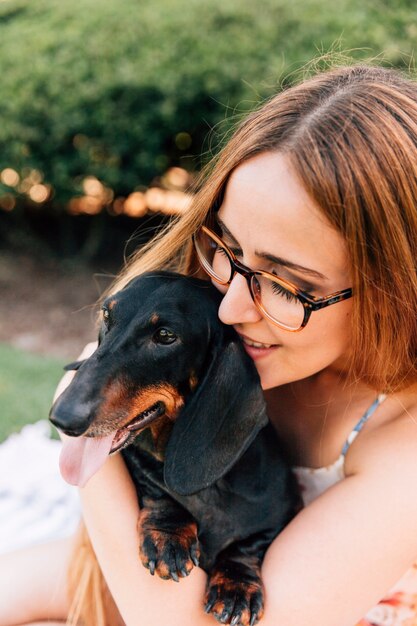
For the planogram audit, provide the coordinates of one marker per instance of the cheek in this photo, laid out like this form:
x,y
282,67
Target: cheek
x,y
330,326
221,288
324,342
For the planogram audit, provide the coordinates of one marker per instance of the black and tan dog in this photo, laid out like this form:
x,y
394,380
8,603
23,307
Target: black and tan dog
x,y
173,387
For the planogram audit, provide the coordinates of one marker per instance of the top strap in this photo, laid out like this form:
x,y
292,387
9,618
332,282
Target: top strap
x,y
356,430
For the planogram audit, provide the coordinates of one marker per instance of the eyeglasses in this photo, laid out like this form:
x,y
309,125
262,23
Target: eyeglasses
x,y
278,300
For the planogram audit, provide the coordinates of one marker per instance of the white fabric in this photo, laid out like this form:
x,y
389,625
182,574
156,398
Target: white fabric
x,y
36,504
312,482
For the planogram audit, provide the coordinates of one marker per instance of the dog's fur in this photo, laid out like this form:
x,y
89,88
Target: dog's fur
x,y
212,484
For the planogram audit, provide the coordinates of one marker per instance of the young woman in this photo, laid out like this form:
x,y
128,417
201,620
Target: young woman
x,y
315,198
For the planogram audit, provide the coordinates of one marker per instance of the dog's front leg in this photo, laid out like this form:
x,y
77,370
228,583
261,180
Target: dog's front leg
x,y
168,538
234,592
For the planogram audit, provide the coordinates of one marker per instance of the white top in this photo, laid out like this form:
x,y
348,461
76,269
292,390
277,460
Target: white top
x,y
399,606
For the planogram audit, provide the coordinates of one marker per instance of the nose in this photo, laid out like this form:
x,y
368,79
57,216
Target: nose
x,y
71,420
237,305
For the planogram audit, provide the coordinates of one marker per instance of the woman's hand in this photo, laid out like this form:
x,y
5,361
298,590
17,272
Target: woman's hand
x,y
68,376
110,509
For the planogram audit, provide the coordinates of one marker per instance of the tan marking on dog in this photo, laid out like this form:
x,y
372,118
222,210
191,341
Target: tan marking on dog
x,y
185,536
161,431
163,392
193,381
154,318
112,304
222,581
120,406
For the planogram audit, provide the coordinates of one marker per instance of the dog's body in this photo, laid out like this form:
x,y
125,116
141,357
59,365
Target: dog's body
x,y
240,505
173,387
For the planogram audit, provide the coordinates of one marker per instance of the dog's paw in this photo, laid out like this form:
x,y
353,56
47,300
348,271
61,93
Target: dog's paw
x,y
234,595
171,553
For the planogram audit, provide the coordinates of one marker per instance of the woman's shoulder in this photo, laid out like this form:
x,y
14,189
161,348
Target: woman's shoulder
x,y
390,437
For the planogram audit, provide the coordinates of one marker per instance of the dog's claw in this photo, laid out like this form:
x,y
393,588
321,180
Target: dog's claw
x,y
209,606
224,617
235,592
194,555
167,552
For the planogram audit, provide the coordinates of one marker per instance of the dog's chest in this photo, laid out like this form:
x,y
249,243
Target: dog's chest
x,y
256,494
221,515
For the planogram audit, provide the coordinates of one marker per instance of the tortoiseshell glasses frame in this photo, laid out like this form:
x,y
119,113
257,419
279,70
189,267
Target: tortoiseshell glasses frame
x,y
310,303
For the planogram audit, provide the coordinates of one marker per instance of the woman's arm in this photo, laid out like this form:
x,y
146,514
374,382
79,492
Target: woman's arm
x,y
332,563
345,551
110,511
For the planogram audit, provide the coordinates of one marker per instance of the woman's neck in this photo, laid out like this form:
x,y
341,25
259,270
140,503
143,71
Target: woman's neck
x,y
324,388
313,416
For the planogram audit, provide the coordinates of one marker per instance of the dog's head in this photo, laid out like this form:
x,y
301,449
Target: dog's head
x,y
163,355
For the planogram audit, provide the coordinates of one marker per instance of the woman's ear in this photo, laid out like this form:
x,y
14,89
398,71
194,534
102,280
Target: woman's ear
x,y
218,423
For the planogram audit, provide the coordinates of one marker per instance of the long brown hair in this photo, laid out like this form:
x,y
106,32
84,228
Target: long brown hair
x,y
351,136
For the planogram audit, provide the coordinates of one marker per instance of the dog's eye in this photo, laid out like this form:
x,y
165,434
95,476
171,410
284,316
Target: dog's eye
x,y
106,316
164,336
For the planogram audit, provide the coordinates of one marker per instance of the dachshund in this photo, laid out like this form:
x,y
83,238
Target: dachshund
x,y
173,389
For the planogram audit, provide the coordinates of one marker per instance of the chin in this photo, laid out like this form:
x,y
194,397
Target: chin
x,y
269,382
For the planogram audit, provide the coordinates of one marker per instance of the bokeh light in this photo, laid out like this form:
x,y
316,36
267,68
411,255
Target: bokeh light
x,y
39,193
10,177
135,205
177,178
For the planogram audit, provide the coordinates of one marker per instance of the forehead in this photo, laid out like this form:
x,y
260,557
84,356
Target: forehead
x,y
267,209
153,299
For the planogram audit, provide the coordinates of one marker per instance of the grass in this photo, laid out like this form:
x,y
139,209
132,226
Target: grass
x,y
27,384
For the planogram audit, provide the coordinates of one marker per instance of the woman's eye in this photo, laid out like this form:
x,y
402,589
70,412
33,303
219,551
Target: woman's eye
x,y
281,291
164,336
221,250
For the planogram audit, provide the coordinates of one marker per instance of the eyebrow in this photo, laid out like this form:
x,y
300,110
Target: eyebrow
x,y
274,259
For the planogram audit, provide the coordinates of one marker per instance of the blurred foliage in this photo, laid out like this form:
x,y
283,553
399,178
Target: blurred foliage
x,y
27,385
123,89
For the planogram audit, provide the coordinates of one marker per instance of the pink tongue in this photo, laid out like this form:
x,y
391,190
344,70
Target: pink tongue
x,y
81,457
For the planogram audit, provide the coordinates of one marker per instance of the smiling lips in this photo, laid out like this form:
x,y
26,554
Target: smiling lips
x,y
256,349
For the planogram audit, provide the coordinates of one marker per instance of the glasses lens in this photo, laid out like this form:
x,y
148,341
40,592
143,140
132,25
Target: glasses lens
x,y
274,300
277,302
213,257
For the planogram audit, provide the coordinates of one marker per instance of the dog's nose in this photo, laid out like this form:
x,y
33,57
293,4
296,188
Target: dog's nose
x,y
68,421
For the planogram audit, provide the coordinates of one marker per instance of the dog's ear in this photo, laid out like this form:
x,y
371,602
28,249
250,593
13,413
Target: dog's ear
x,y
75,365
217,424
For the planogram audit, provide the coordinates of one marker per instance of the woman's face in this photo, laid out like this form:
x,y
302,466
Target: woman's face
x,y
267,212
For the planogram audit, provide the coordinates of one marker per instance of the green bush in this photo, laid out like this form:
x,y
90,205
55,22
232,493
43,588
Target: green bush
x,y
123,89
